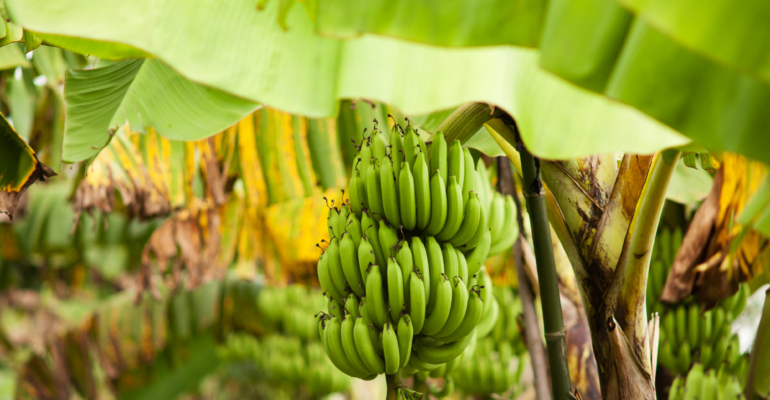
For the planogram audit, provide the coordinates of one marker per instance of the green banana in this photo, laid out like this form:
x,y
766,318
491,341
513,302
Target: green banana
x,y
411,146
334,348
405,333
342,221
496,215
378,144
694,383
353,227
422,194
681,323
406,262
332,222
390,347
443,353
406,198
371,230
510,230
470,222
365,155
451,267
419,364
335,267
366,349
350,268
438,205
371,328
396,149
357,198
693,325
325,278
395,289
471,318
479,254
373,188
676,390
479,234
422,146
388,239
488,317
439,372
435,270
366,257
375,298
456,163
420,257
438,157
352,304
462,265
454,213
469,174
417,301
482,176
349,346
457,309
436,320
389,191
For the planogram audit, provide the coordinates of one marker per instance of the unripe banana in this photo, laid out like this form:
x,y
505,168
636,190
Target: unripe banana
x,y
420,257
681,323
438,157
365,155
405,333
406,198
462,265
438,317
335,350
677,389
349,260
479,254
325,278
411,146
482,176
443,353
693,325
389,190
422,194
375,298
357,198
706,331
470,319
405,260
353,227
417,302
332,223
335,267
390,347
342,221
439,372
496,215
373,188
684,358
396,149
378,144
366,258
352,303
454,214
422,146
388,240
371,229
366,349
438,205
334,307
456,163
350,348
435,269
479,234
488,317
469,174
470,223
372,329
694,383
510,229
420,365
497,377
395,289
457,309
449,255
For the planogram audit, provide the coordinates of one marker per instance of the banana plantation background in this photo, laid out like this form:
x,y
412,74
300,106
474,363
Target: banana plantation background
x,y
167,169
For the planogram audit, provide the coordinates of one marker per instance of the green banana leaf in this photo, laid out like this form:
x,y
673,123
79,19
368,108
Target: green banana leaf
x,y
447,23
19,167
302,73
143,93
12,57
734,35
688,185
601,46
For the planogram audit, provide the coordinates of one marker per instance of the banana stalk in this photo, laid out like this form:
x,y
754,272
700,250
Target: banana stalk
x,y
546,270
758,380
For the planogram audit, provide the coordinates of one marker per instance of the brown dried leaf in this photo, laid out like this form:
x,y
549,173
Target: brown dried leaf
x,y
628,380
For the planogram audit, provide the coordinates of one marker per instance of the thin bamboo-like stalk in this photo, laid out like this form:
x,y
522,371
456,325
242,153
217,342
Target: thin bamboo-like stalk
x,y
393,382
553,322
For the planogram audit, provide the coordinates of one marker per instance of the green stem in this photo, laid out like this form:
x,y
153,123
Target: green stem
x,y
393,382
757,382
556,342
420,386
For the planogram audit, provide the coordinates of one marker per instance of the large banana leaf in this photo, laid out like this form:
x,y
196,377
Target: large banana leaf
x,y
12,57
601,46
303,73
144,93
732,34
19,167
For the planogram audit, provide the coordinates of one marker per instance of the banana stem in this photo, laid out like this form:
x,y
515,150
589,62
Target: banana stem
x,y
464,122
393,382
420,386
555,335
759,373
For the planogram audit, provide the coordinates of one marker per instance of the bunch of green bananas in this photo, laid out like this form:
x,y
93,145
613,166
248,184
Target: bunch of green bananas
x,y
502,213
291,309
497,362
239,347
400,269
710,385
686,333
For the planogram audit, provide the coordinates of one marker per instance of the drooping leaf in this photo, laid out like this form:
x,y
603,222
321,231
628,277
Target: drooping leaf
x,y
449,23
688,185
97,48
601,46
19,167
730,34
14,33
144,94
309,73
12,57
